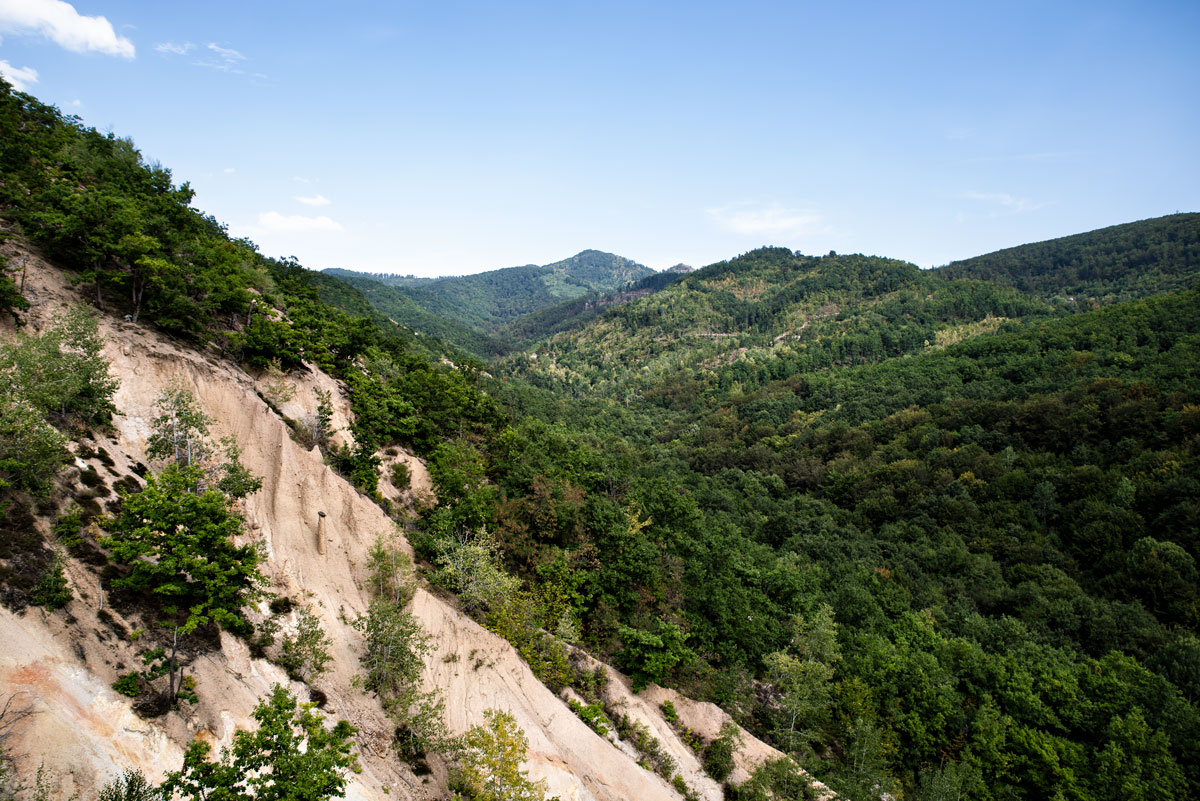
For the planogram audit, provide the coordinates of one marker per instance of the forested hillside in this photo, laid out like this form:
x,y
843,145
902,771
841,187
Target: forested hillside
x,y
529,328
393,304
488,300
862,505
768,314
933,534
1117,263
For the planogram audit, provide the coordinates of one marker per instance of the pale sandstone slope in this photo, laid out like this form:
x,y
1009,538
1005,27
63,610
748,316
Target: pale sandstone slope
x,y
86,731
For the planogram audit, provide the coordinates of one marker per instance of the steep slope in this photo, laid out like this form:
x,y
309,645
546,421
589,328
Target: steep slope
x,y
487,300
1121,262
571,314
84,731
392,303
963,506
769,312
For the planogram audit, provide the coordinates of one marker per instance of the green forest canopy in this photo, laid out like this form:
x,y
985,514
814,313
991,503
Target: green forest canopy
x,y
924,530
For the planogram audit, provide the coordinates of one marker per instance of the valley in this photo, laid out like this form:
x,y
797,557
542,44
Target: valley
x,y
783,527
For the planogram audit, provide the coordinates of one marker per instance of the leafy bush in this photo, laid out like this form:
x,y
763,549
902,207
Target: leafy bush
x,y
400,477
177,545
591,714
31,450
128,685
52,590
291,748
131,785
638,735
60,375
472,569
718,756
11,299
591,684
305,654
779,779
63,371
649,656
489,767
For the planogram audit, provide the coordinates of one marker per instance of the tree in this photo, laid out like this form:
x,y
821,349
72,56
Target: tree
x,y
395,647
292,756
180,429
60,375
490,766
1136,763
63,371
650,656
306,652
803,678
31,450
131,785
178,545
180,436
472,569
719,756
13,713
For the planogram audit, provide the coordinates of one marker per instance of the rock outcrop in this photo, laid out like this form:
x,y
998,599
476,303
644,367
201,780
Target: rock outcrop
x,y
316,530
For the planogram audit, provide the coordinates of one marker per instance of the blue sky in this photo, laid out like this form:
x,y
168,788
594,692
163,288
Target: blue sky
x,y
454,137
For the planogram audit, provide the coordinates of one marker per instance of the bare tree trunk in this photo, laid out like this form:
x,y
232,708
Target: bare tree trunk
x,y
137,289
99,295
171,688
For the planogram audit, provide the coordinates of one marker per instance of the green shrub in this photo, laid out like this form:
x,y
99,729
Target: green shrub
x,y
128,685
718,756
68,528
11,300
130,786
591,714
638,735
52,590
400,476
305,654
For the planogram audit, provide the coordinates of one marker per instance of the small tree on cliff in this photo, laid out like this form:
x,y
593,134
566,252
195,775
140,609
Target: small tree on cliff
x,y
489,768
292,756
180,437
178,546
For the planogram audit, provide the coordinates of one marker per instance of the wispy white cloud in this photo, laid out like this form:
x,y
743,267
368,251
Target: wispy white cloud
x,y
62,24
774,219
20,77
76,103
293,223
318,200
174,49
229,170
1009,204
223,59
301,179
226,54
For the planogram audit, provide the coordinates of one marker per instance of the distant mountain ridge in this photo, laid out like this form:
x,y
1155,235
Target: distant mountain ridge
x,y
486,301
774,312
1120,262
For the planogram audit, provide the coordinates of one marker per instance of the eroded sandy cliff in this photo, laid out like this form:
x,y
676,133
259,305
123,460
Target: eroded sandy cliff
x,y
64,663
